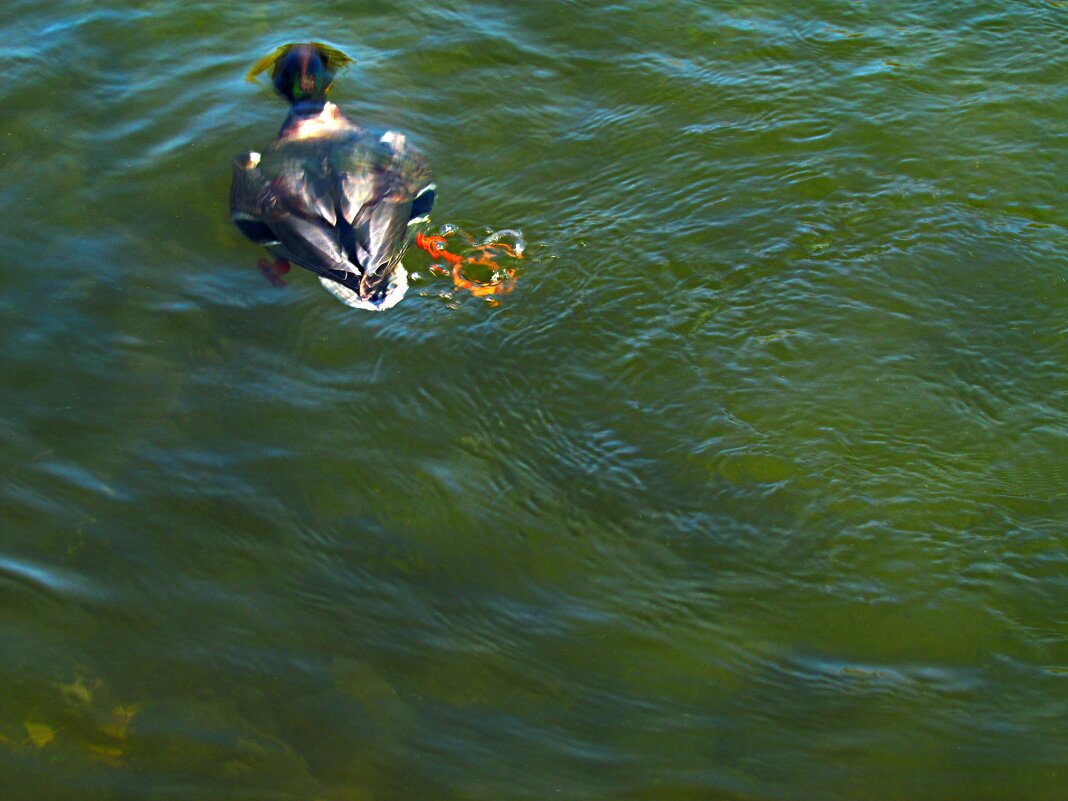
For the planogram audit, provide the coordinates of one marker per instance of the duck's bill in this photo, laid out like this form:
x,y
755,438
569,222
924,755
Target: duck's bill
x,y
398,285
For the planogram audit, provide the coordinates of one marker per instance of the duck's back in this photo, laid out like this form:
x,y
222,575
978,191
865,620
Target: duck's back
x,y
334,195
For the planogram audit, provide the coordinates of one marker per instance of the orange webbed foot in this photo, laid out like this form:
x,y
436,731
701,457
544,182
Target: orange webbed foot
x,y
435,246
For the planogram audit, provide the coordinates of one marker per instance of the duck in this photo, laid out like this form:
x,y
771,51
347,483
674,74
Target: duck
x,y
335,197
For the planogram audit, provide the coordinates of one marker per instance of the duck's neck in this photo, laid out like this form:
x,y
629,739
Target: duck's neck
x,y
311,118
307,108
300,112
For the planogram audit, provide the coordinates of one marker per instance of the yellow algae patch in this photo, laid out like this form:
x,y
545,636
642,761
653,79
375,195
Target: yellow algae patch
x,y
116,724
40,733
106,741
108,754
113,726
76,692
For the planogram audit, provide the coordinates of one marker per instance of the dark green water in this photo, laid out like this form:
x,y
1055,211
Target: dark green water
x,y
754,488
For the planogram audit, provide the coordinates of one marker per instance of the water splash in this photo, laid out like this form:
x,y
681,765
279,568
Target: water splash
x,y
485,267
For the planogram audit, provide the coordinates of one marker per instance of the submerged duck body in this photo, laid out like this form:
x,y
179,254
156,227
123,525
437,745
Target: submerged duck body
x,y
332,196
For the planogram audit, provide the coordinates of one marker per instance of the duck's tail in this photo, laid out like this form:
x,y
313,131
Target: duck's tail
x,y
354,291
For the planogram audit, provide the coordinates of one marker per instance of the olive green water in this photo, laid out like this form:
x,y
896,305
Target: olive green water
x,y
754,488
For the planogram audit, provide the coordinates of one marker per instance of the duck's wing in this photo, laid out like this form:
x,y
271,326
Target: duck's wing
x,y
290,210
384,187
339,206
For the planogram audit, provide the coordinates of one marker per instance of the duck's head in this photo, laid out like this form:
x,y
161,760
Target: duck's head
x,y
302,72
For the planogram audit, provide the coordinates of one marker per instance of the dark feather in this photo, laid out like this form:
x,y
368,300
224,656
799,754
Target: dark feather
x,y
333,197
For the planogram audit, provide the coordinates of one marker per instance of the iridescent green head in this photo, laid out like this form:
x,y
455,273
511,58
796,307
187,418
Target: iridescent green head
x,y
302,72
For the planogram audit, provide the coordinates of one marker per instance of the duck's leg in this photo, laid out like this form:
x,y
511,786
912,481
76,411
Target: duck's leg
x,y
273,272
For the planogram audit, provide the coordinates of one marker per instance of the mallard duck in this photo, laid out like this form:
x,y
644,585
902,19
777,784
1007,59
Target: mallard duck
x,y
328,194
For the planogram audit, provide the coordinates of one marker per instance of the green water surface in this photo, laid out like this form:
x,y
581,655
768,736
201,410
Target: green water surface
x,y
756,487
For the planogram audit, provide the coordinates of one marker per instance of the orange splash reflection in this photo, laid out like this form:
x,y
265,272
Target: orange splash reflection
x,y
483,268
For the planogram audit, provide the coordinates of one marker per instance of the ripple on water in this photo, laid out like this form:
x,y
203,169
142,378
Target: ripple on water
x,y
755,477
58,584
